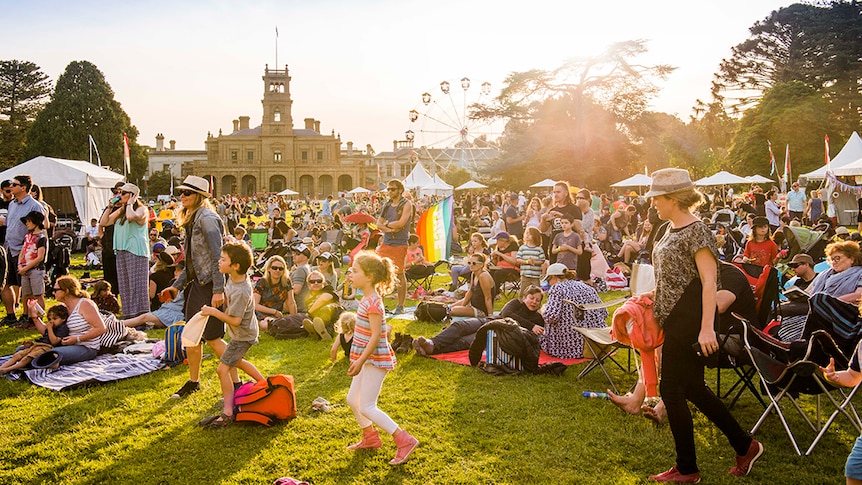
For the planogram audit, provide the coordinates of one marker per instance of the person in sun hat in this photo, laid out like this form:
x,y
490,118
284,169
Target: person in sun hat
x,y
685,305
200,280
132,249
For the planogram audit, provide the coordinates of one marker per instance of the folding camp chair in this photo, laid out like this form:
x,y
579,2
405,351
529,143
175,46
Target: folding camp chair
x,y
781,379
764,283
421,275
601,347
334,237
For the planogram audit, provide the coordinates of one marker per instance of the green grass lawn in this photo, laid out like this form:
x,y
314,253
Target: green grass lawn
x,y
473,428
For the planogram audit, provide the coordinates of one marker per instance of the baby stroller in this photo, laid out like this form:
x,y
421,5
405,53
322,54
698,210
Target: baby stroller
x,y
812,241
58,259
734,241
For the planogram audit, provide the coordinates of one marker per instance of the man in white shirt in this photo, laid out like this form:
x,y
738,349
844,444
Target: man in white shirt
x,y
92,232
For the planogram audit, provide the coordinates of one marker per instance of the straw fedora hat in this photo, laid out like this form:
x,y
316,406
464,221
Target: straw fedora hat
x,y
669,181
196,184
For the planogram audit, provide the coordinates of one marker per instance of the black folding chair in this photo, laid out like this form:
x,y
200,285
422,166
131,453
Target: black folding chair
x,y
783,379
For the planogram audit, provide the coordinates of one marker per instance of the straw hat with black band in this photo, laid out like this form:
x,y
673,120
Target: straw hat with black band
x,y
196,184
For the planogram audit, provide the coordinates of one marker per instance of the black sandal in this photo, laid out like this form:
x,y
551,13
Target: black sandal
x,y
220,421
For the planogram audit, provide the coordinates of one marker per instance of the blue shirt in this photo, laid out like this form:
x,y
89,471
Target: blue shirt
x,y
796,201
15,229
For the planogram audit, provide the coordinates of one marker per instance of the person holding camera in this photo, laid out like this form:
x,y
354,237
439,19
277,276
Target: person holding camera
x,y
132,250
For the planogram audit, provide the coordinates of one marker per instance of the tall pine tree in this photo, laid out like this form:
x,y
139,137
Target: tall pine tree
x,y
23,90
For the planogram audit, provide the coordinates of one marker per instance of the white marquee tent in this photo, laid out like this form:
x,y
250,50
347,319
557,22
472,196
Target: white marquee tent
x,y
851,152
418,178
90,184
722,178
437,187
637,180
471,185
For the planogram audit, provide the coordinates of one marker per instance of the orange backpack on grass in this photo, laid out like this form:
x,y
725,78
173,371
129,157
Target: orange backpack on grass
x,y
265,401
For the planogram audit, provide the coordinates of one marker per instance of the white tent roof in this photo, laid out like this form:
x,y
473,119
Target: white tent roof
x,y
90,184
471,185
639,180
758,179
288,192
851,152
438,184
545,183
853,168
418,178
359,190
722,178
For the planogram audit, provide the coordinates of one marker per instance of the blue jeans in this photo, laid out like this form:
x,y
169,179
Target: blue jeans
x,y
457,336
71,354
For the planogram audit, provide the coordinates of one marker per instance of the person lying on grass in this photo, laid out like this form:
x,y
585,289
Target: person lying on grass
x,y
53,332
241,323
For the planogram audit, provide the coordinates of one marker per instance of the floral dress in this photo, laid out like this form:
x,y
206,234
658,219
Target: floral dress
x,y
560,338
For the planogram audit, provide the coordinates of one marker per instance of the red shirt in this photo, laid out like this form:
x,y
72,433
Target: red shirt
x,y
763,253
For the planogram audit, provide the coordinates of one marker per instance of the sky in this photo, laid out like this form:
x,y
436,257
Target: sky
x,y
188,68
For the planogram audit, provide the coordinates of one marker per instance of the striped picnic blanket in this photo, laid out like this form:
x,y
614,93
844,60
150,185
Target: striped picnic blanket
x,y
102,369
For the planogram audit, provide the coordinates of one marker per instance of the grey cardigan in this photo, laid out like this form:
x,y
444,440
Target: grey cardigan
x,y
207,238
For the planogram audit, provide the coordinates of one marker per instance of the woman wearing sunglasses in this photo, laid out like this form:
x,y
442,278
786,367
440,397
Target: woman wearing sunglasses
x,y
273,293
323,307
479,299
132,250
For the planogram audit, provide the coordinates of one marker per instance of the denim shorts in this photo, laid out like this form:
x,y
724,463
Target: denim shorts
x,y
853,468
234,352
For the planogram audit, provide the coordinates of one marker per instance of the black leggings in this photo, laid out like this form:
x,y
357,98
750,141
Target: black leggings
x,y
682,381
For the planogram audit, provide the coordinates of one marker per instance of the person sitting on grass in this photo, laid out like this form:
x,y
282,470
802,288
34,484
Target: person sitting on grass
x,y
344,327
242,327
461,334
323,307
104,299
53,332
479,299
273,292
168,314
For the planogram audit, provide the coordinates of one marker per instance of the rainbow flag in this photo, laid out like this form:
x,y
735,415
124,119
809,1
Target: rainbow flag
x,y
435,230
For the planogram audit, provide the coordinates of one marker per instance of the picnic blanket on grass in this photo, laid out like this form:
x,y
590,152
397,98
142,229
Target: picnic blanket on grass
x,y
102,369
463,357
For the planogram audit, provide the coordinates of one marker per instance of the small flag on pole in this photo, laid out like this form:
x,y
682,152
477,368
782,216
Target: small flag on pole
x,y
826,143
126,158
787,164
771,158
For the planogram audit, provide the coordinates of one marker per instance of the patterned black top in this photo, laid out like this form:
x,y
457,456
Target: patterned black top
x,y
675,269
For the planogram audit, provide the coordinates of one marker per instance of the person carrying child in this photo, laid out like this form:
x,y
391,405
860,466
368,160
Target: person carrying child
x,y
31,261
371,357
52,335
241,323
345,327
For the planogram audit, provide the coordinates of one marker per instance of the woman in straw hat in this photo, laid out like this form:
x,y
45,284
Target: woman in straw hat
x,y
132,249
686,263
201,280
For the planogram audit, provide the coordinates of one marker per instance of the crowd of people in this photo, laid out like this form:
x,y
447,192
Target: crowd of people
x,y
171,261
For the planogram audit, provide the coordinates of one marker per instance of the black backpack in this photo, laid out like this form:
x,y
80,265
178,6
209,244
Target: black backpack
x,y
287,327
429,311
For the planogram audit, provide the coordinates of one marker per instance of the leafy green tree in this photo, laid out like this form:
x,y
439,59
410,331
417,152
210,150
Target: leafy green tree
x,y
23,90
789,113
159,183
574,122
83,104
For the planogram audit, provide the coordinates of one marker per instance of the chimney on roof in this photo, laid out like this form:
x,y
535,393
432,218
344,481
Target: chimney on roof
x,y
317,126
173,144
350,149
160,142
394,145
243,122
368,149
235,126
309,123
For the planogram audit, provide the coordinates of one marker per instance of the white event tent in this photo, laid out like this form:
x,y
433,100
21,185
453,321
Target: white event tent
x,y
90,184
437,187
545,183
722,178
638,180
418,178
288,192
471,185
758,179
851,152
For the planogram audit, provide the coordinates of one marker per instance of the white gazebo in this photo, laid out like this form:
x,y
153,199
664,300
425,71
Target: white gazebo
x,y
418,178
545,183
471,185
288,192
758,179
851,152
638,180
722,178
359,190
436,187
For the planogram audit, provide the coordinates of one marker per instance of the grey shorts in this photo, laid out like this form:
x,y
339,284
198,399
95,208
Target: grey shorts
x,y
33,283
235,351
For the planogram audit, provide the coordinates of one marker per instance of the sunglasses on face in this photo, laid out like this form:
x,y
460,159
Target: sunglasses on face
x,y
276,268
392,189
314,282
795,265
474,263
54,290
186,193
125,193
14,184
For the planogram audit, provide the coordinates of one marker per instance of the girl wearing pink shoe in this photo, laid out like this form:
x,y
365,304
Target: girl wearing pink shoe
x,y
371,357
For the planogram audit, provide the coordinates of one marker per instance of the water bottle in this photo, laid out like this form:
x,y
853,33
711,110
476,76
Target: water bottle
x,y
595,395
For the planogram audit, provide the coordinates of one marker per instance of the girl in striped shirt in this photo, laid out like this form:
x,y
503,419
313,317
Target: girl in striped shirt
x,y
371,357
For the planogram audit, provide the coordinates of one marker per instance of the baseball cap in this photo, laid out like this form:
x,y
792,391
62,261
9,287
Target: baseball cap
x,y
801,258
842,231
556,269
502,235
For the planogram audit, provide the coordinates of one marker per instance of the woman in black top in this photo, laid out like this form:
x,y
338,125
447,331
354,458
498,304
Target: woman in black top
x,y
525,311
479,299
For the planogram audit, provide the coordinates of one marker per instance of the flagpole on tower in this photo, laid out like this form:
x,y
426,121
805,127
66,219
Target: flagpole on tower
x,y
276,46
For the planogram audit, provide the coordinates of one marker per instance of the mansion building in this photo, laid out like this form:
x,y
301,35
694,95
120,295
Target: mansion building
x,y
275,156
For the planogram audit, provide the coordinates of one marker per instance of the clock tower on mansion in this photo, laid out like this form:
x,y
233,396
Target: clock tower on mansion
x,y
275,156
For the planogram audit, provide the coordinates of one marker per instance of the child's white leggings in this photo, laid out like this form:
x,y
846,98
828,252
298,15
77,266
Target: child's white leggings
x,y
362,399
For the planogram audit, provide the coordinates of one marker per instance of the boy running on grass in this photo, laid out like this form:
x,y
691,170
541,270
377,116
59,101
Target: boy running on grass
x,y
241,323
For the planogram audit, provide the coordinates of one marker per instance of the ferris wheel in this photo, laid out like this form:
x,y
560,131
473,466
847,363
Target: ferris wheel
x,y
445,134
